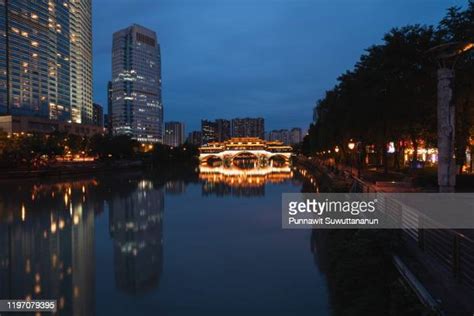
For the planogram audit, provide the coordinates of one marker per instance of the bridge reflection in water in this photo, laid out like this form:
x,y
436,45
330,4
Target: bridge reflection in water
x,y
223,181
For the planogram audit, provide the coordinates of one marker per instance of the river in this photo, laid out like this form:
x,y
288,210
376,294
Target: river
x,y
140,244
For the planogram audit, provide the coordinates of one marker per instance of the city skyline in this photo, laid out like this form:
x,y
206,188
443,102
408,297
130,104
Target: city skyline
x,y
260,76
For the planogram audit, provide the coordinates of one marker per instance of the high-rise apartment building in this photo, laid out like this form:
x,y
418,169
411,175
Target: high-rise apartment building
x,y
208,131
174,134
282,135
195,138
46,59
248,127
296,135
222,130
137,108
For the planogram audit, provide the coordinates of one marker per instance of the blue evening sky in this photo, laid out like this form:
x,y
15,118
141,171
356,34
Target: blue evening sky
x,y
238,58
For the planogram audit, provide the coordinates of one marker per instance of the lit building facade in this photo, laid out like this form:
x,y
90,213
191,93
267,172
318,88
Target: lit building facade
x,y
174,134
136,103
248,127
46,59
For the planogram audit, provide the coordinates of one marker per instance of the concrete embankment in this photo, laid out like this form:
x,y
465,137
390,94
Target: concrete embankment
x,y
69,169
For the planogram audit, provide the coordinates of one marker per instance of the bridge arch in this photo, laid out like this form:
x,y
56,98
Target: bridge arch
x,y
212,160
277,160
245,160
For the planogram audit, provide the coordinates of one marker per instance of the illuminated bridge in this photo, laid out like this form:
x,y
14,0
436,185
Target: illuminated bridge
x,y
246,153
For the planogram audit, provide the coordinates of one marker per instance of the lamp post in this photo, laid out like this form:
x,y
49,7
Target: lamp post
x,y
351,146
359,159
447,56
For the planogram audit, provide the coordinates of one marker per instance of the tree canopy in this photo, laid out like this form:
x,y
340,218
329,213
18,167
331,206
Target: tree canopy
x,y
390,95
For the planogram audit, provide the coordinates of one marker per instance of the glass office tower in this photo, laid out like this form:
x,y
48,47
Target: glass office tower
x,y
46,59
137,109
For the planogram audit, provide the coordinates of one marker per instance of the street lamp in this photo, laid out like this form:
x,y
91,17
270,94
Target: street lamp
x,y
447,56
336,157
351,146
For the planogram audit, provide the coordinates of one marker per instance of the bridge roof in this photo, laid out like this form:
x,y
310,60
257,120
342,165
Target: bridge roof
x,y
246,143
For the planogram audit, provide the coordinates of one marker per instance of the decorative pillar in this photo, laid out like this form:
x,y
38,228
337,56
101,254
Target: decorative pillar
x,y
446,131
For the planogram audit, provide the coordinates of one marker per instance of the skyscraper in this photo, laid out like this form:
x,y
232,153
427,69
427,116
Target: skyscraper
x,y
137,109
46,59
174,134
248,127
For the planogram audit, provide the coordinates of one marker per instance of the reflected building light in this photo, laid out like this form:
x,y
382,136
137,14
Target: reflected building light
x,y
53,227
23,212
54,260
76,219
28,266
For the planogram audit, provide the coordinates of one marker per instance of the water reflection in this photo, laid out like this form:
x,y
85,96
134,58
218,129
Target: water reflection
x,y
222,181
78,239
135,225
47,239
47,245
